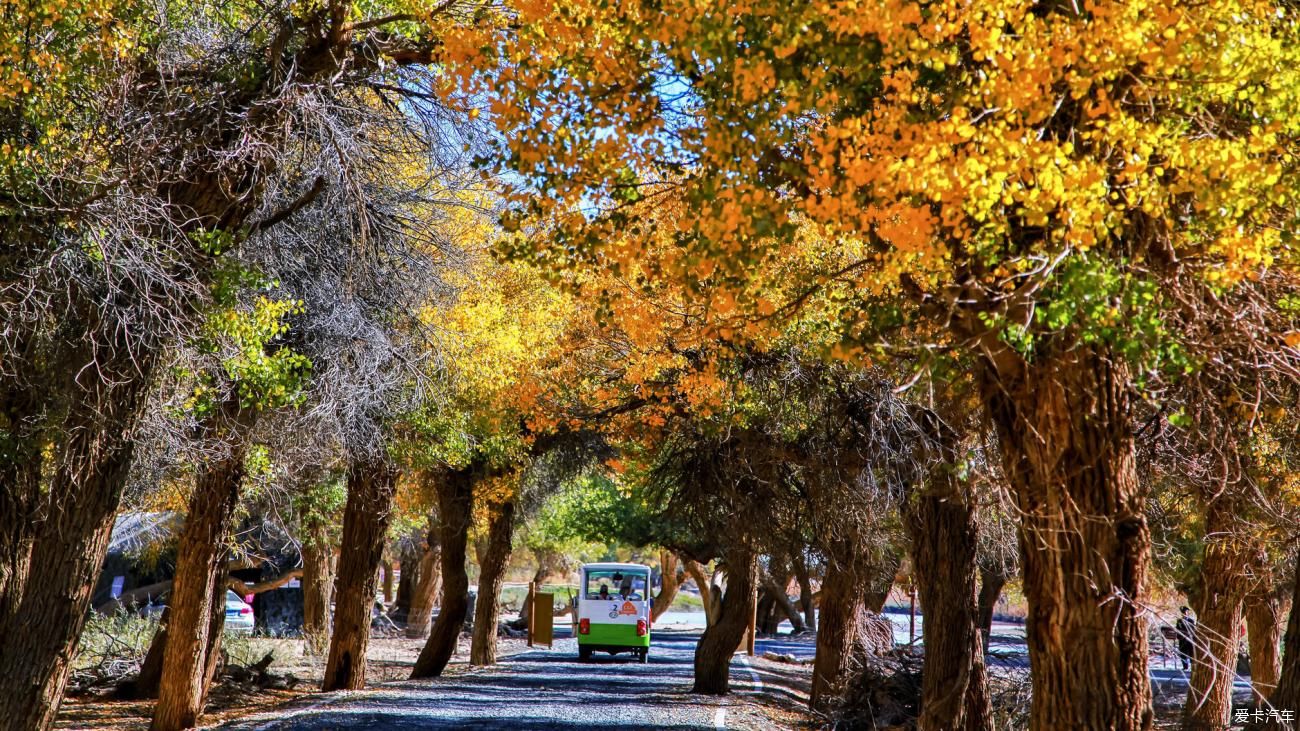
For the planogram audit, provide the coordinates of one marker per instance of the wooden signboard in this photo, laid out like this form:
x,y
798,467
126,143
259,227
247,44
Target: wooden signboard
x,y
541,617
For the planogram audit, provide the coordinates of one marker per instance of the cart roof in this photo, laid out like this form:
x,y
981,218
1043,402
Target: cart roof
x,y
615,567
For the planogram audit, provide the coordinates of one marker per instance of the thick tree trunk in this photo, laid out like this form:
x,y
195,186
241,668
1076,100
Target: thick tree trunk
x,y
38,641
1266,613
1224,582
1064,422
20,477
371,485
1287,693
842,614
455,498
425,591
991,583
317,586
200,578
501,531
940,520
720,640
669,582
805,594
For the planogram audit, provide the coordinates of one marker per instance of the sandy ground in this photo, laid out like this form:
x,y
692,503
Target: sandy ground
x,y
387,659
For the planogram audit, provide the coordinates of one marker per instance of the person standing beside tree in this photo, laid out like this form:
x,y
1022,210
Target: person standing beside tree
x,y
1185,628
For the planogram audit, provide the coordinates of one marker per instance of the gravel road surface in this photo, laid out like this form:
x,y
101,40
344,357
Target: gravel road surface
x,y
542,689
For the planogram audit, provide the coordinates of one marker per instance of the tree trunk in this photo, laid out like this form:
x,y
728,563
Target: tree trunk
x,y
669,583
1224,582
784,604
21,460
1064,423
940,521
425,591
317,586
696,572
408,577
38,641
765,613
145,683
200,576
880,581
721,639
1265,615
842,613
387,567
1287,693
483,646
991,583
455,498
371,485
216,628
805,594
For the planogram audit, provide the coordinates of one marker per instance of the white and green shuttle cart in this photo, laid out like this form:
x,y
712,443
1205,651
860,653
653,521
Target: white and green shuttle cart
x,y
613,609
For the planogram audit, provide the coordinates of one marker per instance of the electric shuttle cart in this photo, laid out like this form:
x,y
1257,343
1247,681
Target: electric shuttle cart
x,y
618,619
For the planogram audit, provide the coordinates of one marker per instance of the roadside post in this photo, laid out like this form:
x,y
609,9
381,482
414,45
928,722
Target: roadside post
x,y
753,623
911,619
532,610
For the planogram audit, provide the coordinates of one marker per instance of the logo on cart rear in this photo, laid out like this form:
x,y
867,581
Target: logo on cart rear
x,y
628,608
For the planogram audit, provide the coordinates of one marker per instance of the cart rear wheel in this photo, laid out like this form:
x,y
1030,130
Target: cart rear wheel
x,y
644,654
584,653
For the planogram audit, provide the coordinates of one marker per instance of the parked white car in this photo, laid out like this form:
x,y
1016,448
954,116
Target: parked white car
x,y
239,615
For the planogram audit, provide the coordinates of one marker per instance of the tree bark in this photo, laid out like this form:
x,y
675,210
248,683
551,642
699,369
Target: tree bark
x,y
408,577
371,485
425,591
991,583
387,567
1266,613
38,641
1287,693
842,614
200,572
696,572
455,498
880,581
765,619
21,460
1064,423
483,645
720,640
776,591
1224,582
145,683
805,594
317,586
669,582
940,521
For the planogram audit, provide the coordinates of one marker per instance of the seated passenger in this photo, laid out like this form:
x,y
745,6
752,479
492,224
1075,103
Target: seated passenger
x,y
604,592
